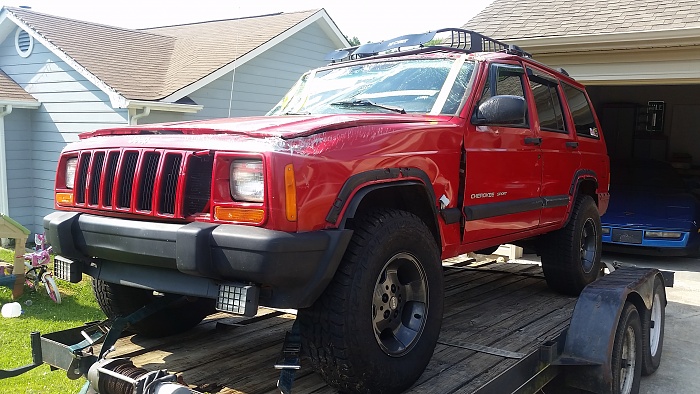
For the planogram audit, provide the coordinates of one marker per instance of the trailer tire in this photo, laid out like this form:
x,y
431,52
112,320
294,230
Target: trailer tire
x,y
627,349
118,300
653,330
571,255
389,283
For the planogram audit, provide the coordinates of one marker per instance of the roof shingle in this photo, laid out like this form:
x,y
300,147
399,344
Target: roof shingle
x,y
150,64
511,19
11,91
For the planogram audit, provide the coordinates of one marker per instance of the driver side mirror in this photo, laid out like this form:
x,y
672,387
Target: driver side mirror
x,y
503,110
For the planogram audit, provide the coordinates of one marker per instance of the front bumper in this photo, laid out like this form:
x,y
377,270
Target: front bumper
x,y
291,269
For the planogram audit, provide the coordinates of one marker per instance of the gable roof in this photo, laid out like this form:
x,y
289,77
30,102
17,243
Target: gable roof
x,y
516,19
151,64
12,93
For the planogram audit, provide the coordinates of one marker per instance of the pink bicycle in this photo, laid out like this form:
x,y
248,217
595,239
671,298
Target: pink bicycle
x,y
37,268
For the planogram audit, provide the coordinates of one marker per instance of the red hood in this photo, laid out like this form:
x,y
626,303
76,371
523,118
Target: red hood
x,y
267,126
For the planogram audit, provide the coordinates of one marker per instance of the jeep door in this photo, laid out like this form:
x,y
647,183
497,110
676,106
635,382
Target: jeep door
x,y
503,172
559,149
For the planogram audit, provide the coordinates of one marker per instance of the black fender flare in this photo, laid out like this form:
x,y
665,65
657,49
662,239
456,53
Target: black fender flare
x,y
390,177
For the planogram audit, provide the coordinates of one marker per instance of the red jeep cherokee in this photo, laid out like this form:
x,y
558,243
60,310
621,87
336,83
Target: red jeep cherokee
x,y
343,201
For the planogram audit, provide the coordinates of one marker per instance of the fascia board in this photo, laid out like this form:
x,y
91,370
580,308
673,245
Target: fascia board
x,y
611,41
159,106
116,99
245,58
20,104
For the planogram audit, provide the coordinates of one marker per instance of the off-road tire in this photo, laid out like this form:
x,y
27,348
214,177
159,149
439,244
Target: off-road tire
x,y
627,352
571,255
389,249
118,300
653,337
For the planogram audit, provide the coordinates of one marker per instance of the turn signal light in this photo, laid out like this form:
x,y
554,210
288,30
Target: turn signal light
x,y
290,189
246,215
64,198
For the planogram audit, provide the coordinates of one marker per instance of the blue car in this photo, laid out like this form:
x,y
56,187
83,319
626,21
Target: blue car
x,y
651,211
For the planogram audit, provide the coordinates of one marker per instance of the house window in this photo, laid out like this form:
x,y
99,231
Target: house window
x,y
24,43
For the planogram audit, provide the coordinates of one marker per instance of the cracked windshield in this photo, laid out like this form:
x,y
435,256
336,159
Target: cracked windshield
x,y
421,86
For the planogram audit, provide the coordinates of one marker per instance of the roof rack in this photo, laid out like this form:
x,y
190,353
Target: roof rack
x,y
466,41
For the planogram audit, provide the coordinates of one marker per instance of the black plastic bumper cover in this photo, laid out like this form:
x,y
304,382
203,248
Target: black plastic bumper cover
x,y
293,269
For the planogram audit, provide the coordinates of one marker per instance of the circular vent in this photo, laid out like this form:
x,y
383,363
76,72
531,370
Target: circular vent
x,y
23,42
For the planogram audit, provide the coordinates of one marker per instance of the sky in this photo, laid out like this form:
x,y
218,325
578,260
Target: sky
x,y
370,21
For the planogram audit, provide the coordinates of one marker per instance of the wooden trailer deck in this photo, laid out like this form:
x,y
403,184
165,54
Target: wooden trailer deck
x,y
502,306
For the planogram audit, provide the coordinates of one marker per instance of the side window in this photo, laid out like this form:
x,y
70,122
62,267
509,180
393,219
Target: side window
x,y
547,101
581,112
503,79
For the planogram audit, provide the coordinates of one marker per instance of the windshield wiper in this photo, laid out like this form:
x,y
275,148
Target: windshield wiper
x,y
368,103
297,113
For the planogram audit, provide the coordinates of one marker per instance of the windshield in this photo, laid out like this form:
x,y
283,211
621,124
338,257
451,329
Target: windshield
x,y
428,86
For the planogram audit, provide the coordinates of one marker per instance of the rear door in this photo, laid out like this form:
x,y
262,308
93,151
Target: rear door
x,y
503,172
559,149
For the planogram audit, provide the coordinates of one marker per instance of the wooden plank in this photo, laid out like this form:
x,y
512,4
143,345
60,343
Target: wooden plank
x,y
497,305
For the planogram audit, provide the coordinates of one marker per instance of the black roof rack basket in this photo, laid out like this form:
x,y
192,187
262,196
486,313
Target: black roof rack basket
x,y
461,40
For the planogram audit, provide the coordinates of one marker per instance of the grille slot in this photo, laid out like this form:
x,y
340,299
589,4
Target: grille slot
x,y
127,179
147,181
82,178
198,184
110,173
169,181
96,177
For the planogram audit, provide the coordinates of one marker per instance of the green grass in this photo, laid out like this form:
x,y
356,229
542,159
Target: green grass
x,y
78,306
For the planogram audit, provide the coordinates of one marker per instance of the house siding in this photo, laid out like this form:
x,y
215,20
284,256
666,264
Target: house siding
x,y
70,105
19,165
260,83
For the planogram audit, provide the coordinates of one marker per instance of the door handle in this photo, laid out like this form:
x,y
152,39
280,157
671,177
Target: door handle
x,y
533,141
572,144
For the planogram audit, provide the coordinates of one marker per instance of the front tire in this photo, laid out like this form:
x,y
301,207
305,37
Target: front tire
x,y
118,301
375,327
571,255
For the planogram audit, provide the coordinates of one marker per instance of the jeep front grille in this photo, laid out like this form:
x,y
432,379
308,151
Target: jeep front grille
x,y
162,183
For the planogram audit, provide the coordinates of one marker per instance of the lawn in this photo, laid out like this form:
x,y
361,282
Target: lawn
x,y
41,314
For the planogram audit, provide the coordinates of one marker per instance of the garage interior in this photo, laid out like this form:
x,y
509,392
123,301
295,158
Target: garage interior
x,y
658,122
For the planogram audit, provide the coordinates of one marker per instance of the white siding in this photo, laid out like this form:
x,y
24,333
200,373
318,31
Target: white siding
x,y
260,83
70,105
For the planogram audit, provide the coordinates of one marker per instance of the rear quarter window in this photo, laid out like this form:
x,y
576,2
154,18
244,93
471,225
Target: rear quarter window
x,y
581,112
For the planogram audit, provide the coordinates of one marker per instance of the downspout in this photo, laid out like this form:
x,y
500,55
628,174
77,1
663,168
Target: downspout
x,y
134,119
4,199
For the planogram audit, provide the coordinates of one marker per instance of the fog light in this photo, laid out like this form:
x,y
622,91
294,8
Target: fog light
x,y
606,230
238,299
67,270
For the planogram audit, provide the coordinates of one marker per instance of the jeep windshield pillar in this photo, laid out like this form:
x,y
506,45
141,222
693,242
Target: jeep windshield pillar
x,y
343,201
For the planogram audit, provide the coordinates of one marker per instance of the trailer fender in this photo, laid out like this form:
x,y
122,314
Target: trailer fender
x,y
591,334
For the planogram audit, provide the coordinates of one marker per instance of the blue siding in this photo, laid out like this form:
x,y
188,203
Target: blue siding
x,y
70,105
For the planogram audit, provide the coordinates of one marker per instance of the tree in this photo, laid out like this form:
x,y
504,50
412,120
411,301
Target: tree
x,y
353,41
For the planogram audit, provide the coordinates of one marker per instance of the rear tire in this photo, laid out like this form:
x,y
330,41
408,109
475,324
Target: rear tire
x,y
627,352
375,327
653,330
118,300
571,255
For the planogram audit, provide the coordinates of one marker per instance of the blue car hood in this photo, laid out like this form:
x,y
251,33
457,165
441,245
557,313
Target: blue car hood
x,y
648,209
